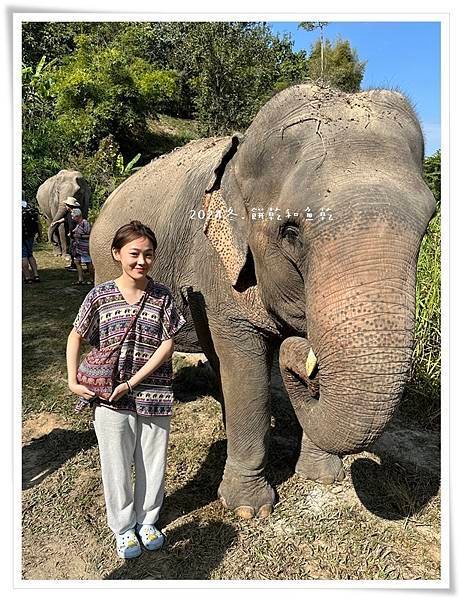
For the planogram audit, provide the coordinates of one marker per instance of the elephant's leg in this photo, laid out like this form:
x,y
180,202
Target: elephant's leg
x,y
314,463
245,362
199,317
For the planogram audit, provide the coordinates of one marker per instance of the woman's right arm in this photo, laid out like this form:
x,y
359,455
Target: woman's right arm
x,y
73,357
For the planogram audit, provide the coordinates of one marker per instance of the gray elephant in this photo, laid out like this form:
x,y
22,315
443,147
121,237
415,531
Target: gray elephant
x,y
51,196
302,233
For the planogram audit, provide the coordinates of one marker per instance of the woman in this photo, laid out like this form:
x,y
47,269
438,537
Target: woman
x,y
132,426
81,245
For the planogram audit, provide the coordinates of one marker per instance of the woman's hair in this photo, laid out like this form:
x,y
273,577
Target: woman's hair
x,y
76,212
132,231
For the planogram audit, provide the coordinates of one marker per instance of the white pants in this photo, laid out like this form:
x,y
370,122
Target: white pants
x,y
125,438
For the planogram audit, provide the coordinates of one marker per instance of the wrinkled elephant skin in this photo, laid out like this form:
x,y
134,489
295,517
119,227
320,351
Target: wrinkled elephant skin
x,y
328,272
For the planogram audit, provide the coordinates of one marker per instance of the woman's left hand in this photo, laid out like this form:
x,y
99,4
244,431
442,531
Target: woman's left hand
x,y
118,392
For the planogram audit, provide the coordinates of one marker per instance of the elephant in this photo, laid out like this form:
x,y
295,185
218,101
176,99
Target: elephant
x,y
301,234
51,196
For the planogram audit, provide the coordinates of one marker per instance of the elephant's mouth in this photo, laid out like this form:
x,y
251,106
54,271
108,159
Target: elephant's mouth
x,y
300,373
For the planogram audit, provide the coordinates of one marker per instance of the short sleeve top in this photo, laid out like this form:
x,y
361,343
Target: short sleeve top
x,y
103,319
82,245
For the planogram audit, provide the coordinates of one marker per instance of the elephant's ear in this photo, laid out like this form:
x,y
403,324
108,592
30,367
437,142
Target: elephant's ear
x,y
227,233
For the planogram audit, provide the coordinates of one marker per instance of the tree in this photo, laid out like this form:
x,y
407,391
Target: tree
x,y
311,26
41,141
106,90
58,39
341,68
92,89
232,68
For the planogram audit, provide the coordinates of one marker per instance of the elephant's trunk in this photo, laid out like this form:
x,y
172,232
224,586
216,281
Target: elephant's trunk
x,y
347,378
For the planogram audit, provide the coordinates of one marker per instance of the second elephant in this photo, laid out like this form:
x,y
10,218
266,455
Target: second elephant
x,y
51,196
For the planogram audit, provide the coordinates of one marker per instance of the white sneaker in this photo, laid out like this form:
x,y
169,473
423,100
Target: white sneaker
x,y
128,545
150,536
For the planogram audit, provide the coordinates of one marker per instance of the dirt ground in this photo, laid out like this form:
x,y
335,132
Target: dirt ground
x,y
382,522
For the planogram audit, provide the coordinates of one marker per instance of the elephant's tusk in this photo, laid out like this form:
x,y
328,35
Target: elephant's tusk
x,y
311,362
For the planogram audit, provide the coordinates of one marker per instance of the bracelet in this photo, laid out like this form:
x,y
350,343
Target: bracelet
x,y
130,389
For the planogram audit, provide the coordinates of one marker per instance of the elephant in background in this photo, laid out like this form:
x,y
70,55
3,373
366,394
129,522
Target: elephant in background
x,y
51,196
303,233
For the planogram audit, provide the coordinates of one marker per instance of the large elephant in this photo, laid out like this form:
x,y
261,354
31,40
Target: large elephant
x,y
51,196
304,232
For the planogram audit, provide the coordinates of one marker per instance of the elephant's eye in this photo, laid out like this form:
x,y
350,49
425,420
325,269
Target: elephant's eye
x,y
290,232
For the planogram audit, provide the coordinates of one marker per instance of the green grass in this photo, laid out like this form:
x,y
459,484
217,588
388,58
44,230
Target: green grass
x,y
166,133
422,401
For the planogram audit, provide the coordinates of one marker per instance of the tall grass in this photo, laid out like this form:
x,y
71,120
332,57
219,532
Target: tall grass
x,y
428,292
424,388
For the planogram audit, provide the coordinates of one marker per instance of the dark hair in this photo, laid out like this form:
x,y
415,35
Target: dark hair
x,y
131,231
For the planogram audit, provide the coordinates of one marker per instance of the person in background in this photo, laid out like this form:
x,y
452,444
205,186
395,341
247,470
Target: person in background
x,y
30,229
81,245
68,205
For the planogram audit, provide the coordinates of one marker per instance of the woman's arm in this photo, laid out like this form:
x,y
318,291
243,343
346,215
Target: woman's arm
x,y
161,355
72,358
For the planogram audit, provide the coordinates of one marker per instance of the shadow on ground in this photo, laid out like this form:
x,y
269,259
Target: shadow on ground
x,y
392,491
193,382
44,455
200,491
192,551
405,479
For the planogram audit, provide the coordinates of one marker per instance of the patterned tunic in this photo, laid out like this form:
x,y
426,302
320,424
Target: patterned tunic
x,y
81,246
102,320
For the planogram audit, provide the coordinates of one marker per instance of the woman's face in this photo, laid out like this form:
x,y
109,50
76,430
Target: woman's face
x,y
136,257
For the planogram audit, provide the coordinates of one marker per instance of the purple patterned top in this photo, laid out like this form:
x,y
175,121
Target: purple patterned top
x,y
81,246
102,320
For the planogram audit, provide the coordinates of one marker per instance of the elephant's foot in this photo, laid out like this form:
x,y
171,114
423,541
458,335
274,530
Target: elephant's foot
x,y
248,496
313,463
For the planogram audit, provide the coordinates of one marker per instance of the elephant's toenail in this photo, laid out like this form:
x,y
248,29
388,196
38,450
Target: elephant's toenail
x,y
245,512
265,511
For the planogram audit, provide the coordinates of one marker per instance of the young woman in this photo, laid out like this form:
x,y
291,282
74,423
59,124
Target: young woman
x,y
132,426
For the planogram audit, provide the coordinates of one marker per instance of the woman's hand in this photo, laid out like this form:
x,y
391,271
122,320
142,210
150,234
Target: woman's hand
x,y
81,390
118,392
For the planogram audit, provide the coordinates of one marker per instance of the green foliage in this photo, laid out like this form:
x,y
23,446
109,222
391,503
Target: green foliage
x,y
88,82
432,174
126,170
226,70
58,39
52,40
108,92
234,68
311,25
427,366
341,65
102,171
41,140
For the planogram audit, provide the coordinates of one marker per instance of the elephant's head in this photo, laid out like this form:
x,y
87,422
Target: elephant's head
x,y
70,183
336,263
